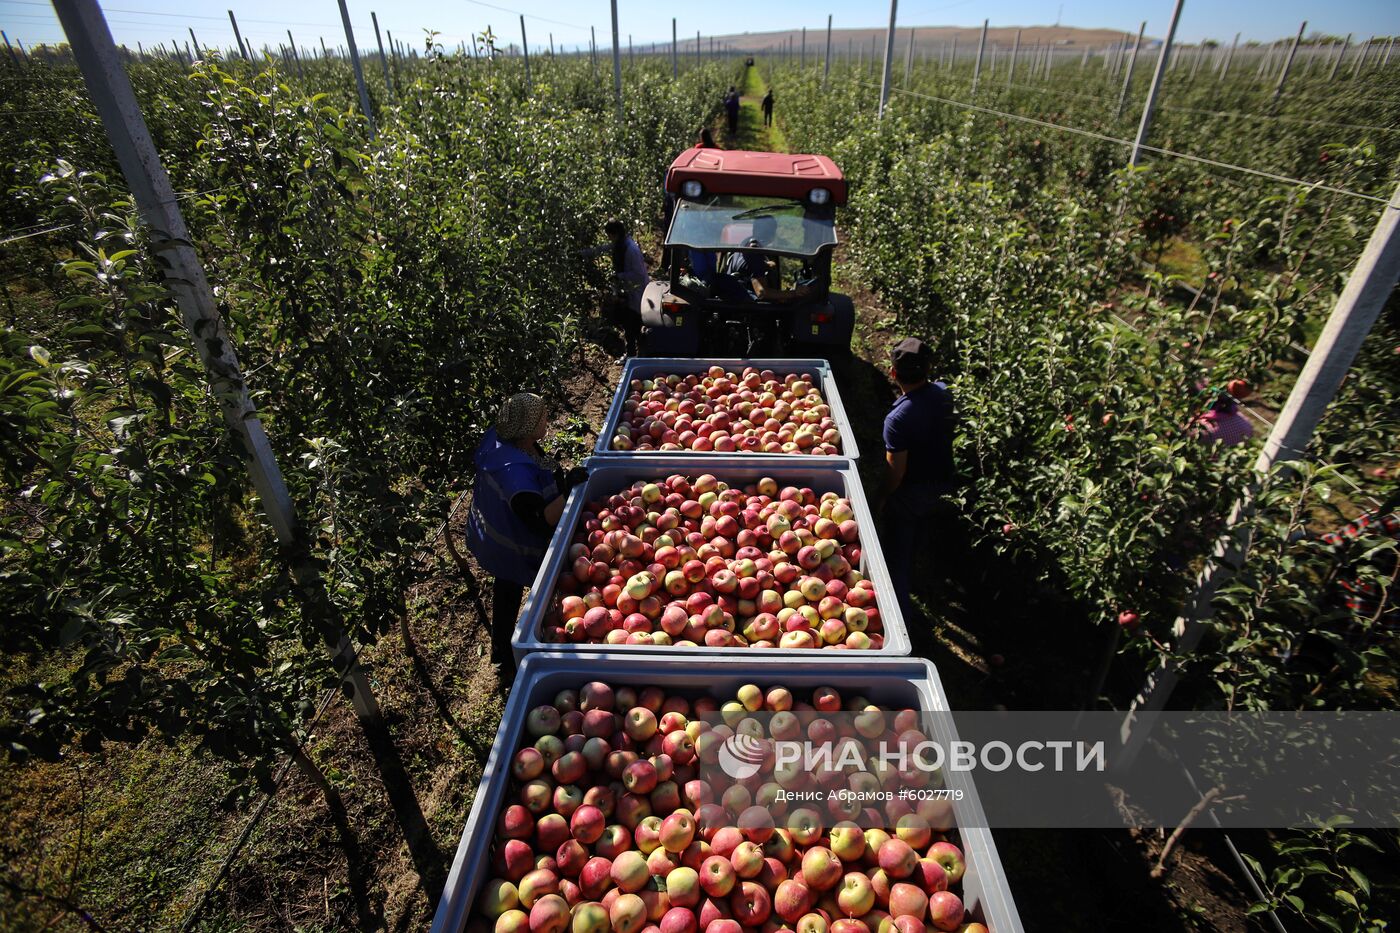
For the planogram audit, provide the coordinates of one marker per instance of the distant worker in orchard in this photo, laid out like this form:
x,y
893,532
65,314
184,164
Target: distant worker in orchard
x,y
768,108
517,498
731,110
1224,422
630,278
919,470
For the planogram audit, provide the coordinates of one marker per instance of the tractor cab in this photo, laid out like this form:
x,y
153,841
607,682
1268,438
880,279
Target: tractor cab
x,y
735,217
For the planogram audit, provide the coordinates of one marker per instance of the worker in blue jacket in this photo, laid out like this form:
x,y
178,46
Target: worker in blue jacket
x,y
517,500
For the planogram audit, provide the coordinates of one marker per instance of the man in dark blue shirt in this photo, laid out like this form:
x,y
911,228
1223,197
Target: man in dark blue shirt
x,y
919,468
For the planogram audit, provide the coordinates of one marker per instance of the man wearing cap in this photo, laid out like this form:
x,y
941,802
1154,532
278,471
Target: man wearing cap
x,y
517,499
919,467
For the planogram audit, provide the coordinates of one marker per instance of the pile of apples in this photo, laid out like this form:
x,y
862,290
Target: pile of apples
x,y
691,562
606,828
752,412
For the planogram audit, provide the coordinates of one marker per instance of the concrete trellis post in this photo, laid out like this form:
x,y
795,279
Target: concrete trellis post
x,y
1162,61
1128,78
1230,55
827,72
1016,50
238,37
383,61
889,53
617,64
1341,54
355,63
675,62
525,50
1288,62
981,48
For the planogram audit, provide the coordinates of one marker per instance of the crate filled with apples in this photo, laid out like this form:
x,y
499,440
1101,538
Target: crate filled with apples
x,y
594,815
775,407
656,553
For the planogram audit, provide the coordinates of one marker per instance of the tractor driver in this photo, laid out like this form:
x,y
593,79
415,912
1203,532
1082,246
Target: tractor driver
x,y
758,274
517,499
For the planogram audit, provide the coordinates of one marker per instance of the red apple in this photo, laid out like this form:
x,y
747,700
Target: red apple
x,y
945,910
821,869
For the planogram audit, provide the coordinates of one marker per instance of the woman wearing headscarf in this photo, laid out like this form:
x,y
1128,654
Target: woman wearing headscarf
x,y
517,499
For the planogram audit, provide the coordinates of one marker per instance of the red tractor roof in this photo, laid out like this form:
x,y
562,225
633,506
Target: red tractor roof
x,y
764,174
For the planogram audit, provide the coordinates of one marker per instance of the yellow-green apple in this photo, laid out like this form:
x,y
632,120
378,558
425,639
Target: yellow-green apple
x,y
848,842
590,917
513,921
805,825
551,831
683,887
499,896
813,922
543,720
849,925
537,796
629,871
647,835
747,859
821,869
855,895
913,829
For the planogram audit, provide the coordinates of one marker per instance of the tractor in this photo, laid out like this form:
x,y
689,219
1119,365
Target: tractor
x,y
779,210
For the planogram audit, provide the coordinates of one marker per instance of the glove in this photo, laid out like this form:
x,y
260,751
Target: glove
x,y
575,477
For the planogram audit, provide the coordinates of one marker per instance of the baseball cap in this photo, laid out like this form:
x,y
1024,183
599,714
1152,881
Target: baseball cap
x,y
909,348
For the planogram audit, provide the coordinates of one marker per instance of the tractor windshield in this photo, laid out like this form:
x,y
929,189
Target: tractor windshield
x,y
731,222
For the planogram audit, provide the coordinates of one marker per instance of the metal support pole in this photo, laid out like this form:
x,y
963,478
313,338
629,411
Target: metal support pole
x,y
697,47
1230,55
355,63
14,56
909,59
1360,57
1288,62
1341,54
889,53
238,37
981,47
675,59
296,56
326,53
593,49
1015,50
827,72
194,44
525,50
1368,288
617,64
1128,78
1147,108
802,61
383,60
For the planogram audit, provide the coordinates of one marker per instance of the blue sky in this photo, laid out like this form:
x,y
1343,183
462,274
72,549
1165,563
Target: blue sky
x,y
266,21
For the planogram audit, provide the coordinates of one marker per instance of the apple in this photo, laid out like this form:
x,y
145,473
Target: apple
x,y
513,921
498,896
805,825
543,720
896,858
945,910
907,900
813,922
628,914
640,777
750,903
1128,620
590,917
677,831
848,842
821,869
683,887
951,858
629,871
855,895
747,859
930,876
679,920
596,877
717,876
537,884
849,925
792,900
614,841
